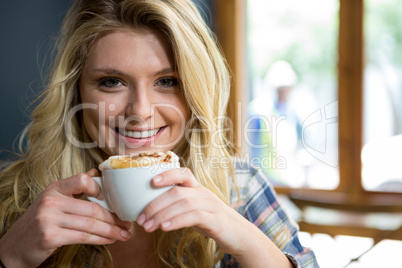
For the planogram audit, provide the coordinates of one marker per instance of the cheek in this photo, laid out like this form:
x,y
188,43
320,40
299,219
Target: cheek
x,y
99,112
182,105
178,113
91,122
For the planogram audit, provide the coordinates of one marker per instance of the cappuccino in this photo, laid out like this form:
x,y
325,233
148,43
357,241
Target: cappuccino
x,y
139,160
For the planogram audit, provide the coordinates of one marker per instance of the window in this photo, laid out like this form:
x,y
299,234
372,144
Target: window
x,y
382,130
292,54
351,67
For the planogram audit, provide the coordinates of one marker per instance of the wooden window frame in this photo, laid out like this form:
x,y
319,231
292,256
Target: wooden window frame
x,y
230,28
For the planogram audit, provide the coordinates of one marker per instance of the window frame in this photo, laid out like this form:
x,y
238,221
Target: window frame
x,y
230,28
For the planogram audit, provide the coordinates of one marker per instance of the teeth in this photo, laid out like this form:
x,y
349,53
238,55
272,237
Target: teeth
x,y
136,134
139,134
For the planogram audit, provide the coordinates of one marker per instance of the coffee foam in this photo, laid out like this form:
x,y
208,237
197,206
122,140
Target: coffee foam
x,y
139,160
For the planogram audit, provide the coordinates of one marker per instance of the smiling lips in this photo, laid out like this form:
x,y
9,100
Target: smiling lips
x,y
138,134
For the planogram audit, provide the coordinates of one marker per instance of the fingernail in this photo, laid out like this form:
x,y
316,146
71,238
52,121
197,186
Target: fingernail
x,y
157,178
128,225
141,219
166,224
148,224
125,234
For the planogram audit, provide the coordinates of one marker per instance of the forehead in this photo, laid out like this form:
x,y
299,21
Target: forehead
x,y
127,46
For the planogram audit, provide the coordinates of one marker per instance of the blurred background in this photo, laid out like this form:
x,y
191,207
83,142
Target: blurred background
x,y
318,83
28,30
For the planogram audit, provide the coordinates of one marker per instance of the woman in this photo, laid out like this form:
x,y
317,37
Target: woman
x,y
133,76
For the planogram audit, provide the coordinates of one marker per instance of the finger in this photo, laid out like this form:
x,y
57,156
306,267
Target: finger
x,y
93,172
72,237
179,176
69,205
170,197
94,227
78,184
93,210
201,221
183,206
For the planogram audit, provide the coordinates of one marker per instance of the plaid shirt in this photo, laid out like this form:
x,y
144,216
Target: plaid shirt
x,y
256,200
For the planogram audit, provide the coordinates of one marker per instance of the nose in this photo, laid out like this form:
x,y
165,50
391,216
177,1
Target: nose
x,y
139,104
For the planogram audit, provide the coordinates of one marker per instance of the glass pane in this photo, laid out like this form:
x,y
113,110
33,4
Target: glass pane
x,y
382,151
292,124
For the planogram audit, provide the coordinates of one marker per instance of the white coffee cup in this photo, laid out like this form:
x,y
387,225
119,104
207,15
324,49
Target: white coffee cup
x,y
127,191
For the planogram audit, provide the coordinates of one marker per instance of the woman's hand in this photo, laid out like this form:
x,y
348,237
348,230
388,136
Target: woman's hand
x,y
57,218
189,204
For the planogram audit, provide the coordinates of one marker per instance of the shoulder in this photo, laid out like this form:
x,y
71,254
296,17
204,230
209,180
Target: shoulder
x,y
247,175
248,185
244,169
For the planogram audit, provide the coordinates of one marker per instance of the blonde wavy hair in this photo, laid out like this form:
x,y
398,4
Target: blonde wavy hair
x,y
49,155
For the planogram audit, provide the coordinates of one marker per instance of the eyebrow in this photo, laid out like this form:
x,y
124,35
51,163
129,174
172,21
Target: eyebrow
x,y
165,71
112,71
109,71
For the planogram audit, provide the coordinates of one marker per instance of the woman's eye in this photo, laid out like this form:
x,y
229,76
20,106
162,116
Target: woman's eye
x,y
168,82
110,82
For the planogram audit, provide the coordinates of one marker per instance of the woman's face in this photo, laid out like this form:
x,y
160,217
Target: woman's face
x,y
131,94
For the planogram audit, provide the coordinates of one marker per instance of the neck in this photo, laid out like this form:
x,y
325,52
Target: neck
x,y
137,251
